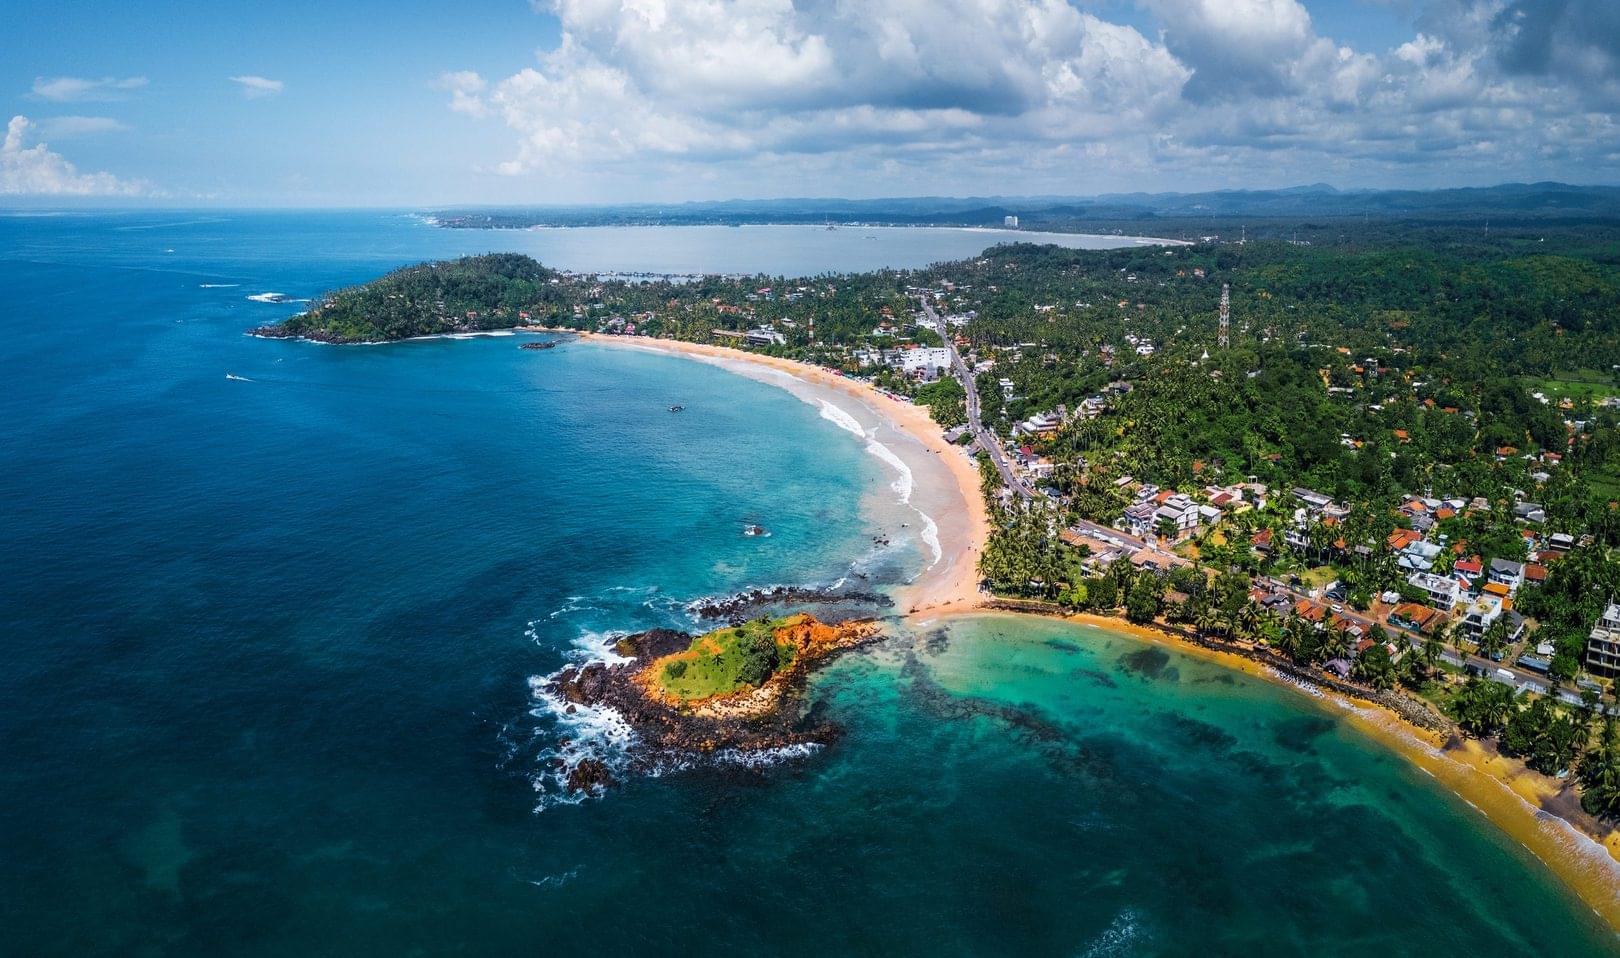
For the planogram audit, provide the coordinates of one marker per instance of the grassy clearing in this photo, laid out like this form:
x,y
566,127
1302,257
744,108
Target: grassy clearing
x,y
726,661
1318,577
1576,385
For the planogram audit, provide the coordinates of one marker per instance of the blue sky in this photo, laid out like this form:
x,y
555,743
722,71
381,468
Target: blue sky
x,y
504,101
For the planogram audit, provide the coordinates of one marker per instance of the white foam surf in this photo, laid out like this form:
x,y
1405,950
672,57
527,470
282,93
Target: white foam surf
x,y
841,418
766,757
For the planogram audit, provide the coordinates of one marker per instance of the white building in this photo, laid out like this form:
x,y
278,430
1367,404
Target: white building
x,y
1011,222
1442,590
1603,644
925,361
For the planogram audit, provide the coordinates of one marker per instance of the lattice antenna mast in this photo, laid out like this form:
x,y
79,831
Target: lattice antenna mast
x,y
1226,315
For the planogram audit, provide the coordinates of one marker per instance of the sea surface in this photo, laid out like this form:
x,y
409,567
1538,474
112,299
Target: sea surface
x,y
270,647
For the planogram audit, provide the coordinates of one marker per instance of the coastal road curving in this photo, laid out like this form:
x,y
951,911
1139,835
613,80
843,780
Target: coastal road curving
x,y
986,439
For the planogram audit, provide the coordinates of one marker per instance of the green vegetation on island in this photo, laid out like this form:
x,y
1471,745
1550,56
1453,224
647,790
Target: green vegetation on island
x,y
727,661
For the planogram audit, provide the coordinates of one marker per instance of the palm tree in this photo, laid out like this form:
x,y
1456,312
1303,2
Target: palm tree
x,y
1482,707
1248,619
1335,642
1430,651
1600,773
1495,638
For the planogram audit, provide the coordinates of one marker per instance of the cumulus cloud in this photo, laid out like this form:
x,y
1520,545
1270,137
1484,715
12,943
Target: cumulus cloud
x,y
36,171
254,87
962,89
466,89
66,89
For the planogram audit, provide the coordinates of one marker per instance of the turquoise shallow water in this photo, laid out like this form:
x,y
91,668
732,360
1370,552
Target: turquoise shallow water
x,y
268,646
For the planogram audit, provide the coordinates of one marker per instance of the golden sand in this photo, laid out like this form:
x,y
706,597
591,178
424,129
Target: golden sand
x,y
1515,799
1506,793
947,474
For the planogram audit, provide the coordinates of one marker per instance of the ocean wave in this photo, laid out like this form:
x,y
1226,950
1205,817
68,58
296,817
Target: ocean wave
x,y
841,418
578,732
766,757
218,285
904,480
592,646
1119,938
554,881
930,537
1308,687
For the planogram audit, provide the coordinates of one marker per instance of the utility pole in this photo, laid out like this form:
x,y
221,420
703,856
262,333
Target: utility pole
x,y
1226,315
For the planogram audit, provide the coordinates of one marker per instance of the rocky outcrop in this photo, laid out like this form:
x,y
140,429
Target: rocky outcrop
x,y
771,716
736,608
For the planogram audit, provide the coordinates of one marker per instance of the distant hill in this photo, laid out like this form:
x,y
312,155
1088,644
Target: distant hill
x,y
1511,202
471,294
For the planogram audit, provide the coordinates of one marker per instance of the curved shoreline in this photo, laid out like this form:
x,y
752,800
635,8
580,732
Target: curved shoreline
x,y
942,474
1508,795
1502,790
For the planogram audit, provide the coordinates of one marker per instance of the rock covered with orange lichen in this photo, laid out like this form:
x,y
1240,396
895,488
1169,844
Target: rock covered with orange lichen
x,y
705,706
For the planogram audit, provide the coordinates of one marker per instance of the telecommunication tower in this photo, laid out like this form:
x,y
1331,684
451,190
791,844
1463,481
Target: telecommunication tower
x,y
1226,315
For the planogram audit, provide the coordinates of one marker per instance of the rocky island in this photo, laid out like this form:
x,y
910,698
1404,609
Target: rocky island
x,y
729,689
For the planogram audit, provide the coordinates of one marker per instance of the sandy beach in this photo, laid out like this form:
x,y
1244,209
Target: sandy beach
x,y
1523,804
1519,802
945,479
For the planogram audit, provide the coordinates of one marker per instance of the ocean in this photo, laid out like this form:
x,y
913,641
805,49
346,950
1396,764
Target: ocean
x,y
271,644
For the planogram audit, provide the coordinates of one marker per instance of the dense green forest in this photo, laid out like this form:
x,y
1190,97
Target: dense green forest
x,y
462,295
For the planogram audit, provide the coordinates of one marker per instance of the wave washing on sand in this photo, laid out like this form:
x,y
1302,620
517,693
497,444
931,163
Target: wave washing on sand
x,y
905,480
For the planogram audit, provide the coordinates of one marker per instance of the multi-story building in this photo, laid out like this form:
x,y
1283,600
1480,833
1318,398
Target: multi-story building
x,y
1603,644
1441,590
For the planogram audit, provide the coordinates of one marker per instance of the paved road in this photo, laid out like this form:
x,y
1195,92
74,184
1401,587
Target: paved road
x,y
987,440
1521,678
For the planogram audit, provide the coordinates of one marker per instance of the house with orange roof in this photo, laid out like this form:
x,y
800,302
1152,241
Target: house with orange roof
x,y
1414,617
1310,611
1401,538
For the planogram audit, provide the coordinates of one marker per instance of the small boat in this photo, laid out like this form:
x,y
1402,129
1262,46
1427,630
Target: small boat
x,y
754,529
676,408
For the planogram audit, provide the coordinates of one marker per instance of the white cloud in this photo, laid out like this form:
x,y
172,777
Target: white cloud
x,y
36,171
254,87
1013,94
66,89
465,88
67,127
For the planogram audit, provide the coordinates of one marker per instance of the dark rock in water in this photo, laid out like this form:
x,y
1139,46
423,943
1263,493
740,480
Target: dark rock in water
x,y
589,775
542,344
1149,663
665,730
738,607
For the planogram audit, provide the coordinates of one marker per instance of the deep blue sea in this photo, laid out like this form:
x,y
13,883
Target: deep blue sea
x,y
268,645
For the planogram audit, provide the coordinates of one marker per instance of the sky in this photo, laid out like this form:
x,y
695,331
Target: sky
x,y
414,104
